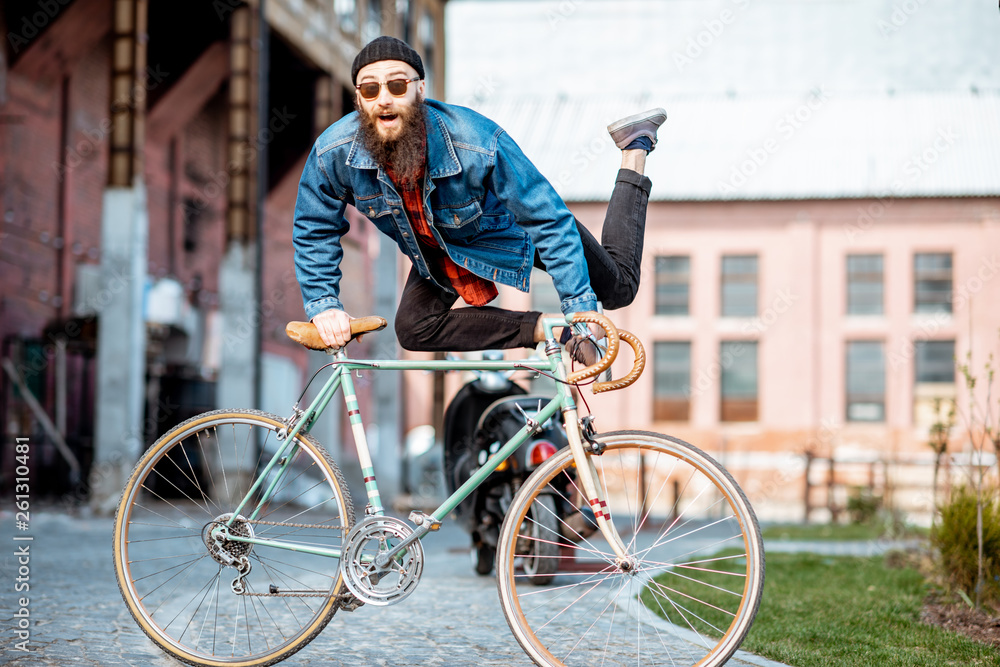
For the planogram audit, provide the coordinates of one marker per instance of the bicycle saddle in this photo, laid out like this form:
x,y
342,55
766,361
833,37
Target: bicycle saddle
x,y
307,334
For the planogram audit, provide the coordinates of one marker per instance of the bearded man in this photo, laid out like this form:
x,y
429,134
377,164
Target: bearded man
x,y
462,201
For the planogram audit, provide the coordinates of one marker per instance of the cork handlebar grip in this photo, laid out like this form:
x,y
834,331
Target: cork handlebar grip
x,y
637,366
609,356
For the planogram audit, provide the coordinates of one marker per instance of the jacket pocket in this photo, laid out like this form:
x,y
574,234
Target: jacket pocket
x,y
372,207
458,222
495,221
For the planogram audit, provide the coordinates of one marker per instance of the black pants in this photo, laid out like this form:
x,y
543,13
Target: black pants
x,y
426,321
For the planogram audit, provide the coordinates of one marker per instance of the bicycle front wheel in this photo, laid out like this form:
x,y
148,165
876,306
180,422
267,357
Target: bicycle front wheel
x,y
211,601
690,587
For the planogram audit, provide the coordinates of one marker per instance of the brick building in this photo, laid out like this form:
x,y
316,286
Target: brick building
x,y
823,234
202,116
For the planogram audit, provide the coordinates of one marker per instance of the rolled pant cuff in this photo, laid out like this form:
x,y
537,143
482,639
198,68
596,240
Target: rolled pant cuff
x,y
636,179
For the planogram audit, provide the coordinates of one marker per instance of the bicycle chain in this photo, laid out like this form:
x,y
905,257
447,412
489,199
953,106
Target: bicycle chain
x,y
347,601
344,598
294,525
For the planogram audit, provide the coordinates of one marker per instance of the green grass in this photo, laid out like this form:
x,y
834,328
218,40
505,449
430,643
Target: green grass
x,y
828,531
842,611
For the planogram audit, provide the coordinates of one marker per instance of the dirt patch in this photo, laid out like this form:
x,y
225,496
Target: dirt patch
x,y
977,625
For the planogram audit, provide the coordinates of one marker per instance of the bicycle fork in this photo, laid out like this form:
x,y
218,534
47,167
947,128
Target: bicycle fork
x,y
592,488
586,471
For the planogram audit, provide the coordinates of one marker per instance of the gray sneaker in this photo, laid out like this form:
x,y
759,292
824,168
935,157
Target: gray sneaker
x,y
624,131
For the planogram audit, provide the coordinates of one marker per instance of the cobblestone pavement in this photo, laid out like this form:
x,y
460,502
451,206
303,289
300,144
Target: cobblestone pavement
x,y
77,616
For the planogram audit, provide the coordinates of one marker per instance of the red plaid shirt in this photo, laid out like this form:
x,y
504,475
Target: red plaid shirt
x,y
474,290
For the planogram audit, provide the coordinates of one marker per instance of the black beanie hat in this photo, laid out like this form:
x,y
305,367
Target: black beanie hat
x,y
386,48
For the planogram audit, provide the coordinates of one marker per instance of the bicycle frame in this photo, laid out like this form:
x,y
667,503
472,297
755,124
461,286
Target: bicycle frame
x,y
342,379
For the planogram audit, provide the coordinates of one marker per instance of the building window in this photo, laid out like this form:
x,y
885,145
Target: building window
x,y
865,381
347,15
373,20
544,299
932,282
864,285
935,361
739,285
673,282
934,375
739,381
403,12
426,33
672,381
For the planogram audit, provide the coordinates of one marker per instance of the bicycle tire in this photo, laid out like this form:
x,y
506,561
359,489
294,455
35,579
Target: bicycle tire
x,y
686,599
173,576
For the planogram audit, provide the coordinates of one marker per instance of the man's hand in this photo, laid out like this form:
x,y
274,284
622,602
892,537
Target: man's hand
x,y
334,327
584,346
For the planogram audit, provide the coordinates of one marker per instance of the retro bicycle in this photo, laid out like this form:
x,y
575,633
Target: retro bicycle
x,y
236,541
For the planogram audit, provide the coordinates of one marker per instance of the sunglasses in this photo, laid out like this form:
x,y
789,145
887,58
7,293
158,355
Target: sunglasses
x,y
370,89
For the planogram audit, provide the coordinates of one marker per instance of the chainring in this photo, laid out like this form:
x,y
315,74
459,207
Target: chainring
x,y
374,585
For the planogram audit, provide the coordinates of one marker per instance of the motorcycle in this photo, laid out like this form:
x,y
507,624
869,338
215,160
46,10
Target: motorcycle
x,y
485,414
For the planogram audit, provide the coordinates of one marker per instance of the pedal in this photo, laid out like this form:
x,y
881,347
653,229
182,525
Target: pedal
x,y
421,518
347,602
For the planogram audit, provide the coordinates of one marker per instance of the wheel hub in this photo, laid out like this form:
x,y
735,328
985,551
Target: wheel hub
x,y
225,551
629,566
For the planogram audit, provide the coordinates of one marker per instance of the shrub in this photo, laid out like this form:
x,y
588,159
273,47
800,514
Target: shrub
x,y
863,505
954,536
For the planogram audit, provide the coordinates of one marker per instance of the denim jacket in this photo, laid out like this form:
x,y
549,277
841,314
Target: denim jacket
x,y
486,203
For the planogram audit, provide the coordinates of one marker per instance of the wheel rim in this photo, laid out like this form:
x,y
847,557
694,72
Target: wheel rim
x,y
687,600
173,572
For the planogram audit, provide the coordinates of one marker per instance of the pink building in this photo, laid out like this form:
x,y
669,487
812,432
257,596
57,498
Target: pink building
x,y
823,237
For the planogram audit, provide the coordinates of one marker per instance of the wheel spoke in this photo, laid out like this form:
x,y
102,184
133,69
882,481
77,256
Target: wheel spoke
x,y
175,568
675,600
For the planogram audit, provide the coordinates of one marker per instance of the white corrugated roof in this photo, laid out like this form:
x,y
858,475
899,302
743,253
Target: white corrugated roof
x,y
909,102
821,145
708,47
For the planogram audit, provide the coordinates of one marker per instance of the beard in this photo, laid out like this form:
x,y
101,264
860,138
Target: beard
x,y
404,154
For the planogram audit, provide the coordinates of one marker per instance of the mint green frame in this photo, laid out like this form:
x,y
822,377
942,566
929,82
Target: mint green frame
x,y
342,379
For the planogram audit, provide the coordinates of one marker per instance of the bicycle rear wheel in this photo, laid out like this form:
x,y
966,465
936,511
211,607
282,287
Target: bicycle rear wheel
x,y
693,583
178,581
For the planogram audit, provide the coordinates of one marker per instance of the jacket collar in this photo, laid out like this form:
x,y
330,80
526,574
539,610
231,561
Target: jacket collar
x,y
441,158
